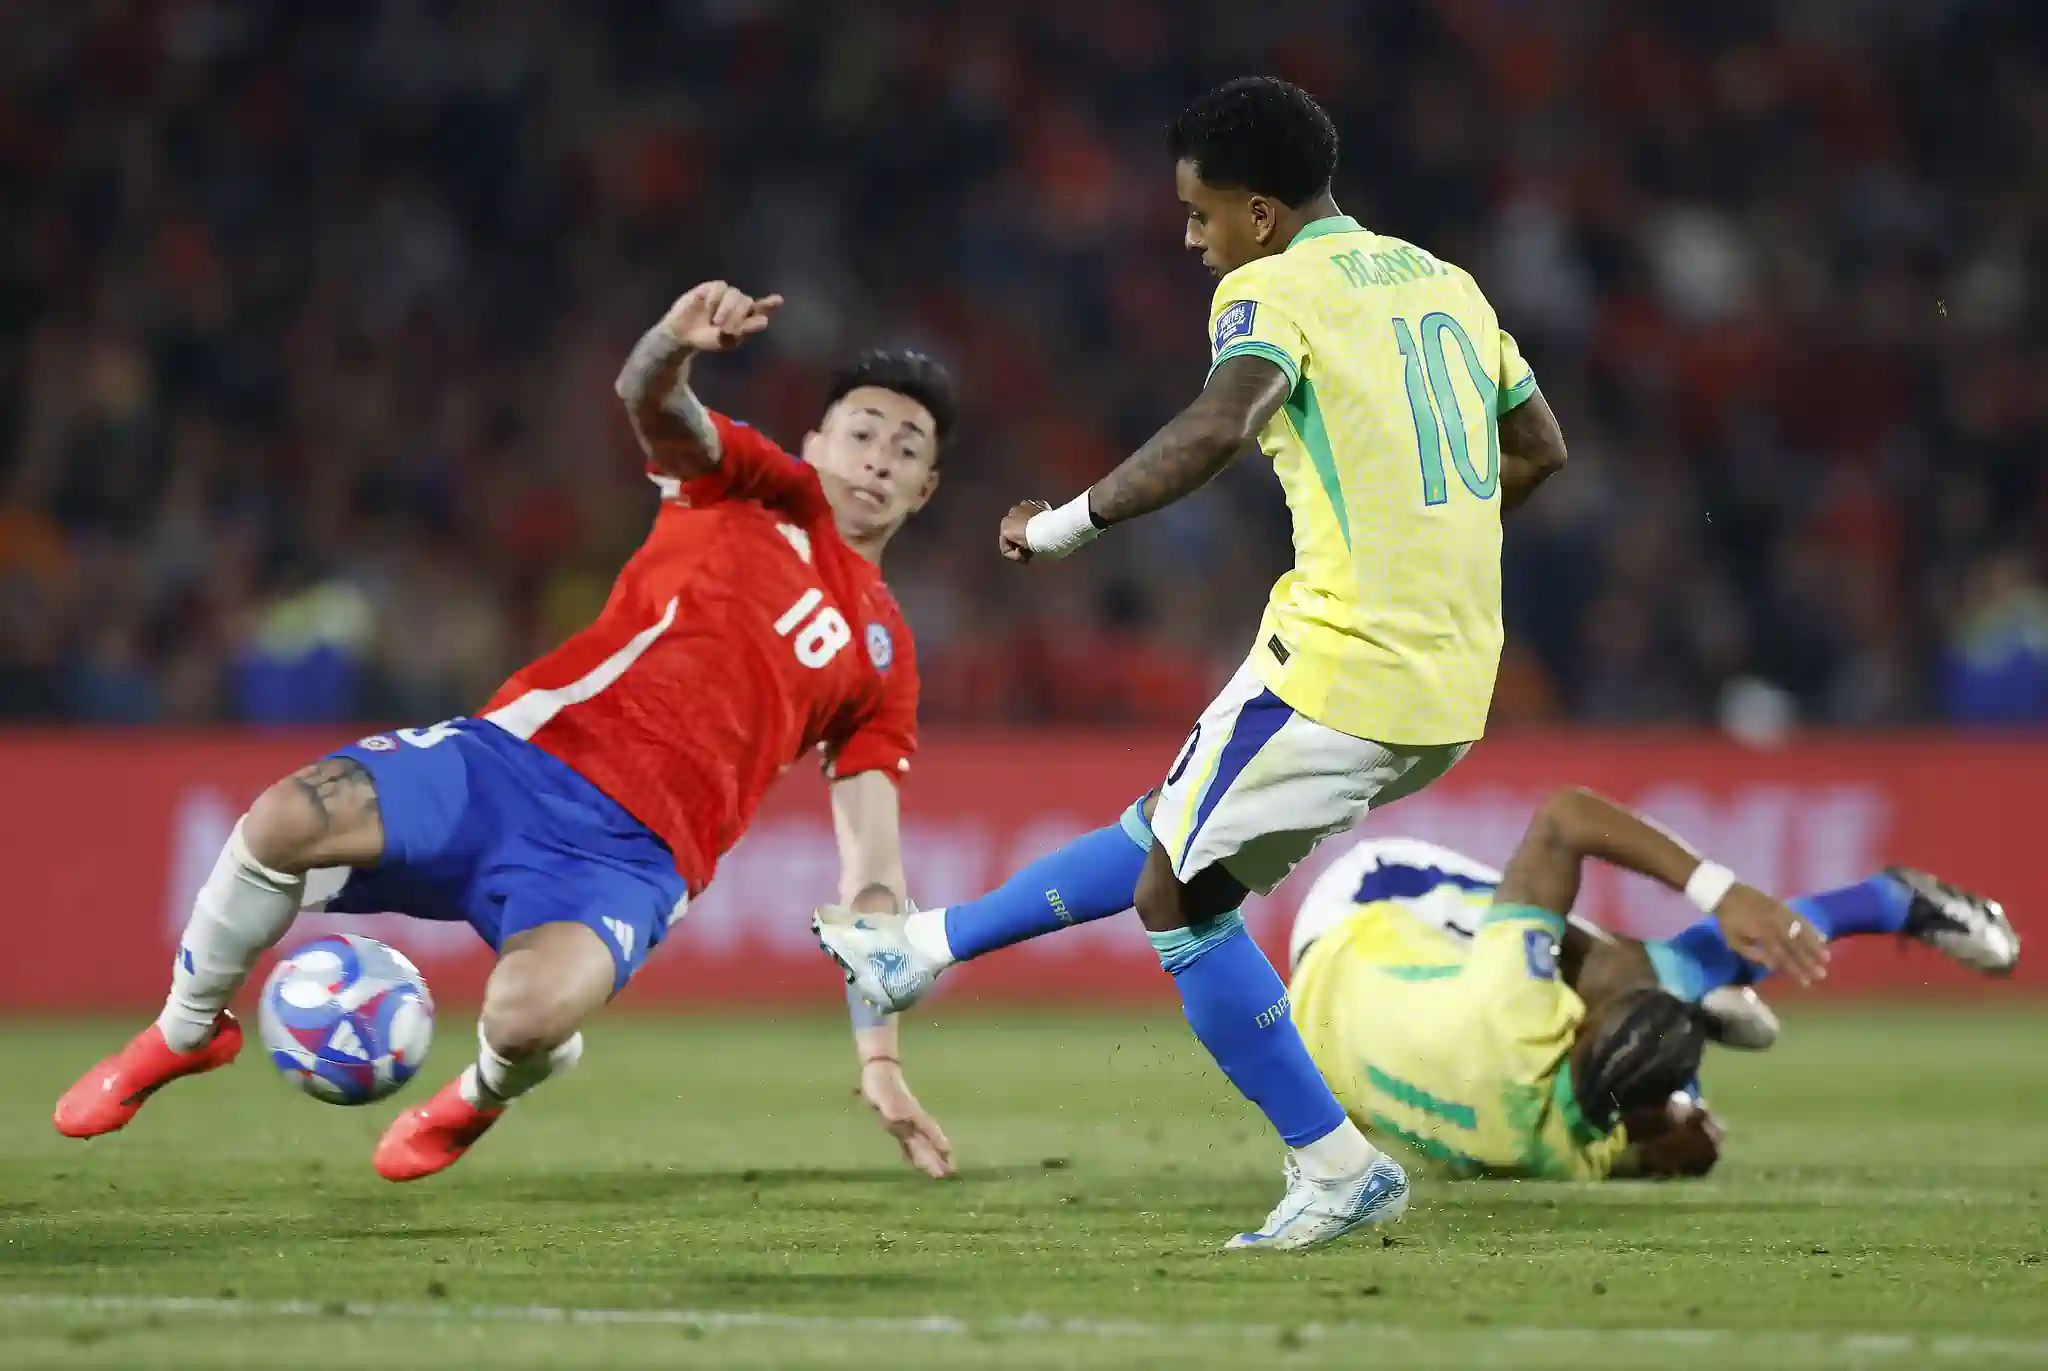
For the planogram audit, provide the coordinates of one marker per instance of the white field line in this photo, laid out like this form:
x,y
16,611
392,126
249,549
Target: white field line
x,y
1960,1346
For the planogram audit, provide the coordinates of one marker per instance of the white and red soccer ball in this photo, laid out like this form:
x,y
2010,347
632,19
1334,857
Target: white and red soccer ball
x,y
347,1019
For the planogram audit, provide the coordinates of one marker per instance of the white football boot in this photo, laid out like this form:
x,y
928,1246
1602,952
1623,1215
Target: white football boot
x,y
876,954
1315,1212
1962,926
1736,1016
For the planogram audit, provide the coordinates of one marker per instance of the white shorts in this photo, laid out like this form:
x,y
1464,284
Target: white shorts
x,y
1257,785
1446,890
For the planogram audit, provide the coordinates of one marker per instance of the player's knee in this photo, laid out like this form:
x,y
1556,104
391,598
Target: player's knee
x,y
325,814
532,1006
527,1022
282,829
1157,897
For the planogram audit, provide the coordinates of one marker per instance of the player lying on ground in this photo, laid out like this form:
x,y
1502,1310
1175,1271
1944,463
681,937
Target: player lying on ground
x,y
1458,1010
573,820
1390,978
1357,362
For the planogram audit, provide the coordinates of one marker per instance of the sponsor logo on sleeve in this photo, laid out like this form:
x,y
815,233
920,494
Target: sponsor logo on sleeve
x,y
1235,322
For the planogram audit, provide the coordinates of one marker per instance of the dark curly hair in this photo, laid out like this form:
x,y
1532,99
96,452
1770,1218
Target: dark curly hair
x,y
1646,1044
1260,134
912,375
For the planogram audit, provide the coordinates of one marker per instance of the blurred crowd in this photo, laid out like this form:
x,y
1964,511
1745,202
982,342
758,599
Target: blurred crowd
x,y
309,313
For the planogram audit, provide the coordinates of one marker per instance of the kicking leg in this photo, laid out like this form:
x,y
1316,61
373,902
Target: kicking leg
x,y
550,979
325,814
893,960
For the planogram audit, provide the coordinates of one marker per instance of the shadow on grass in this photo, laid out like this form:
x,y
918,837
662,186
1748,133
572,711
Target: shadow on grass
x,y
630,1184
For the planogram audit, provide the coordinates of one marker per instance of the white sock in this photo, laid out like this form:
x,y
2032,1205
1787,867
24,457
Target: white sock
x,y
1338,1155
243,909
925,931
494,1080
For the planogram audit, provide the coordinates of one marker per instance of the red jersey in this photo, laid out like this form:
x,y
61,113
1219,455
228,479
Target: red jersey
x,y
744,633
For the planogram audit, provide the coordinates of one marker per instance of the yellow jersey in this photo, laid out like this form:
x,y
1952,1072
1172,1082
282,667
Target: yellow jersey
x,y
1459,1051
1389,626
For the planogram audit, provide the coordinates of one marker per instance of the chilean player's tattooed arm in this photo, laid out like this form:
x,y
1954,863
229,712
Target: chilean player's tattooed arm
x,y
674,429
867,822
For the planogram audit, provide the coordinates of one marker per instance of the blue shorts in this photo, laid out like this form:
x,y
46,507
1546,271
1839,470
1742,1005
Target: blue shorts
x,y
485,828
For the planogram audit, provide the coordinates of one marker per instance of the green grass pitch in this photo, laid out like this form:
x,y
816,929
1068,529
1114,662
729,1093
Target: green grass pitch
x,y
705,1191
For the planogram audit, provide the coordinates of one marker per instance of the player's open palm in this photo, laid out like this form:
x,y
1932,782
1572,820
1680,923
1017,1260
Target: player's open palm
x,y
916,1132
716,317
1769,933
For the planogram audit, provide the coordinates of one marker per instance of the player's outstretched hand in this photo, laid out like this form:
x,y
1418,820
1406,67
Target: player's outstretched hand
x,y
716,317
1769,933
1015,545
916,1132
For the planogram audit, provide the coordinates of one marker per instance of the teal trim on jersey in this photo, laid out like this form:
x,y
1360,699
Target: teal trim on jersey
x,y
1565,1097
1134,825
1254,348
1307,417
1458,1161
1409,972
1502,912
1415,1097
1515,395
1318,228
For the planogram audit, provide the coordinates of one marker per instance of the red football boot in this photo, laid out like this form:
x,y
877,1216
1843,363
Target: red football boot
x,y
432,1137
106,1097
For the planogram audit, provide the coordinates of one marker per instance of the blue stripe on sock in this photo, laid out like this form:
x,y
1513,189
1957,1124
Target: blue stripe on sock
x,y
1181,948
1260,718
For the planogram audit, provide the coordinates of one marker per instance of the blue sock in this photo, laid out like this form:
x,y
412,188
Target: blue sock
x,y
1877,905
1699,959
1238,1008
1091,878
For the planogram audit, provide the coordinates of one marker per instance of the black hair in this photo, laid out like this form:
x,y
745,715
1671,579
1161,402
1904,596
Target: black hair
x,y
1647,1044
1260,134
912,375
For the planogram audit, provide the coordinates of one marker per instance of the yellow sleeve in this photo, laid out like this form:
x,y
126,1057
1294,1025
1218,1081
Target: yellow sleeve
x,y
1517,381
1514,965
1241,324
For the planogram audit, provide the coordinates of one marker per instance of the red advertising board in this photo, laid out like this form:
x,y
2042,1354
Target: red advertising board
x,y
108,834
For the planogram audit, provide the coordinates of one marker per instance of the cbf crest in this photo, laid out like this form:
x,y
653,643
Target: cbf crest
x,y
881,647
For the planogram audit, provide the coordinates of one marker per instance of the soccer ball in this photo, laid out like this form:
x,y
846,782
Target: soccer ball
x,y
347,1019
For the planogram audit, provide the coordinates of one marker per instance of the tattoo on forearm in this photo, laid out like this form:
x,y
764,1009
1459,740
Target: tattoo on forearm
x,y
1196,444
665,413
337,787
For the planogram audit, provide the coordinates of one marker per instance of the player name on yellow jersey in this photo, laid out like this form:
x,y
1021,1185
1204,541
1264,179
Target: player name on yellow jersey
x,y
1389,625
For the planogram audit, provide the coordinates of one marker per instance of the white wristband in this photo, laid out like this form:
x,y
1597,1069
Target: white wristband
x,y
1055,533
1708,885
